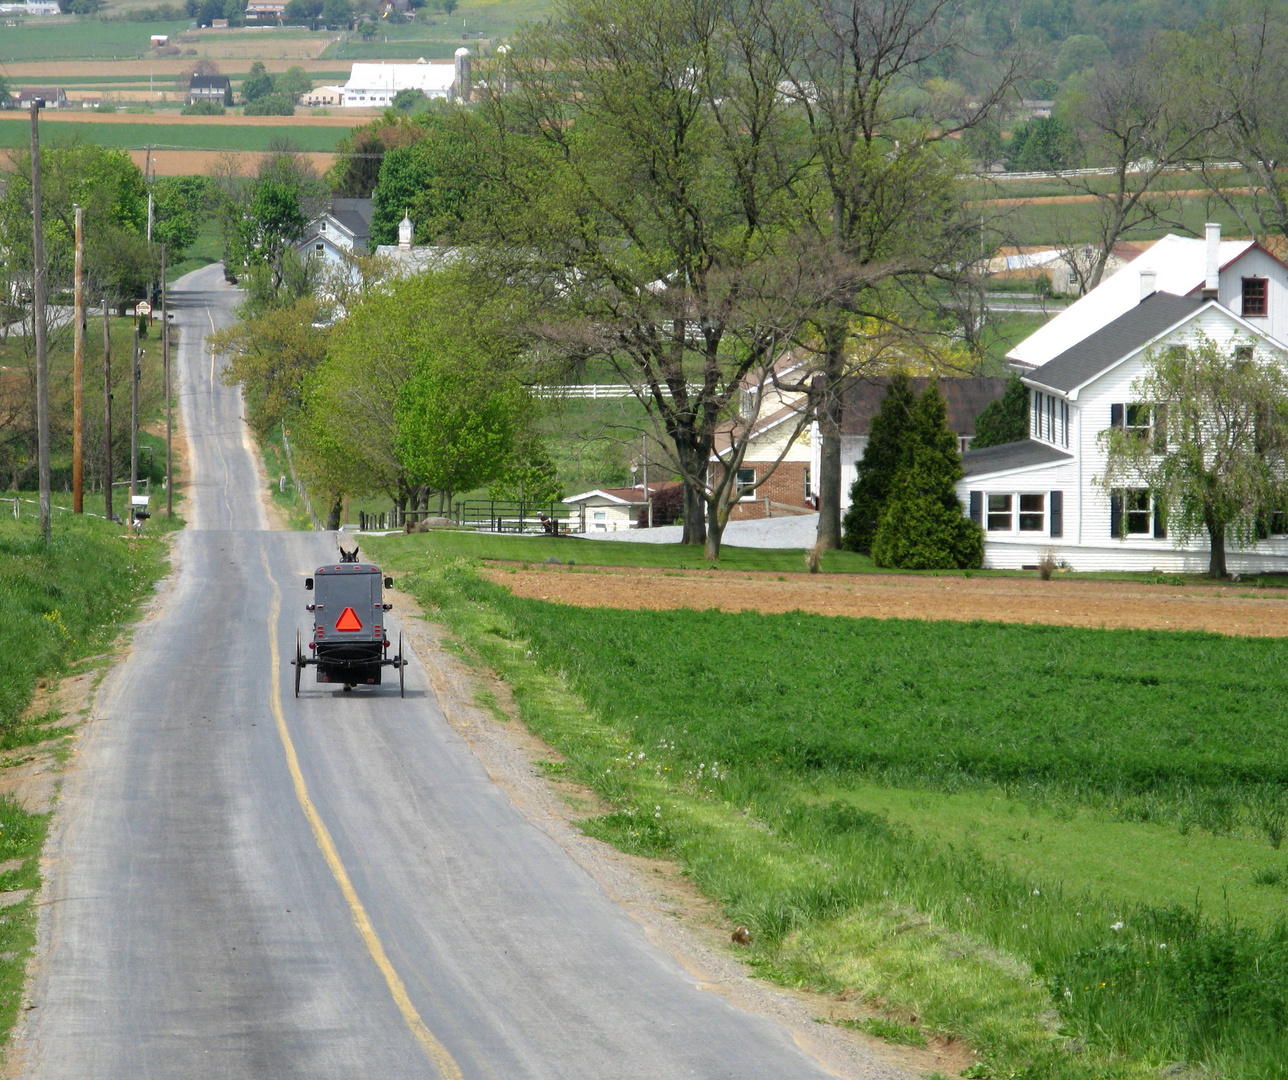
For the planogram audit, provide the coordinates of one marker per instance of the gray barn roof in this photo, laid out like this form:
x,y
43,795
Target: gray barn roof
x,y
208,82
1127,333
1012,455
964,399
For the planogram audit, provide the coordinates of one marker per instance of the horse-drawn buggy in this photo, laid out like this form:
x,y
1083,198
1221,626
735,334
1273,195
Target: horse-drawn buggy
x,y
349,644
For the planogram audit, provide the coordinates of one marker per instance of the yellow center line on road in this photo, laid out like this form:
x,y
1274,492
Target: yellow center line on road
x,y
434,1050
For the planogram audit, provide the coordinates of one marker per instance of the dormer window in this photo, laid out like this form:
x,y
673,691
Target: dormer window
x,y
1256,297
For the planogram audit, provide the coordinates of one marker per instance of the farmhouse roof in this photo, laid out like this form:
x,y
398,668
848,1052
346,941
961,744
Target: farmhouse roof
x,y
208,82
1015,455
45,93
354,214
1103,348
1180,265
965,399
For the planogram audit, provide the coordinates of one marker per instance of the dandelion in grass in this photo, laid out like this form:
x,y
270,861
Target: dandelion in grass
x,y
1037,892
1118,925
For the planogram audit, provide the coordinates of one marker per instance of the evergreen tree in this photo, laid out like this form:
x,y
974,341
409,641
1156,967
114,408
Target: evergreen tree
x,y
1004,420
921,526
887,441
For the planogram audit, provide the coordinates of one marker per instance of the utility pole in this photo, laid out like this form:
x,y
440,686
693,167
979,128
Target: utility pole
x,y
38,303
78,372
134,419
149,205
165,362
107,413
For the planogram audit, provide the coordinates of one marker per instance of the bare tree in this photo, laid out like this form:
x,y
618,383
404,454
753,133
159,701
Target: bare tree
x,y
1130,120
884,200
645,177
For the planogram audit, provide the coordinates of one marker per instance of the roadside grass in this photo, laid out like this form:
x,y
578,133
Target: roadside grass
x,y
248,138
206,249
282,488
805,770
81,39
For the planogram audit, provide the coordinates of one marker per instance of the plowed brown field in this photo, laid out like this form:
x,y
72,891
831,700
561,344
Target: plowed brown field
x,y
1221,609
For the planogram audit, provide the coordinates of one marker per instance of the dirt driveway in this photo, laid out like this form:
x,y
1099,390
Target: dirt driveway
x,y
1221,609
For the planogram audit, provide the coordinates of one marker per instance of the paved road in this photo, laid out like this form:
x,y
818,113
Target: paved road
x,y
244,885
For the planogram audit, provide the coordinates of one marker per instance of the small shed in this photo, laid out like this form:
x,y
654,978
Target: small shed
x,y
158,40
607,509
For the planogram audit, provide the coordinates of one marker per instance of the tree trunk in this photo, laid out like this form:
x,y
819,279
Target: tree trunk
x,y
695,519
1216,564
333,515
830,411
716,522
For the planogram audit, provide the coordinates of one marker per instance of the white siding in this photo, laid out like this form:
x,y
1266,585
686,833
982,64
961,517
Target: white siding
x,y
1088,542
1256,263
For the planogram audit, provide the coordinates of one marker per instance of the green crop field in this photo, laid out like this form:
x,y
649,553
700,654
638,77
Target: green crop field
x,y
1037,839
80,39
248,137
440,38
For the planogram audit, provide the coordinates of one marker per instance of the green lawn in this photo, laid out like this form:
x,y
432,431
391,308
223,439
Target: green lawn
x,y
80,39
127,136
999,831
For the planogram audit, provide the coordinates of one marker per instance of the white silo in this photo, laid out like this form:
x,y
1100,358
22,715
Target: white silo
x,y
461,88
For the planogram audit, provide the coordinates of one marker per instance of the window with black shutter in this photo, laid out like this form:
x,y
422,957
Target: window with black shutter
x,y
1057,513
977,507
1116,514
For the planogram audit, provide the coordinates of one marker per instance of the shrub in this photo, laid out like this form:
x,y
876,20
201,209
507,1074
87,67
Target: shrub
x,y
668,505
270,105
202,108
887,444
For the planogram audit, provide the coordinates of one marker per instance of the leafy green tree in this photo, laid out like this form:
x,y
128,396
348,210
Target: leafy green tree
x,y
181,205
303,12
457,422
921,526
235,12
270,355
888,436
651,213
1044,144
337,14
110,188
433,180
360,153
258,82
410,100
1216,457
275,220
1004,420
294,83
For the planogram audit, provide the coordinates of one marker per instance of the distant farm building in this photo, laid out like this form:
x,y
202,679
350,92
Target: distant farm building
x,y
324,95
33,7
157,40
214,88
54,97
375,85
266,11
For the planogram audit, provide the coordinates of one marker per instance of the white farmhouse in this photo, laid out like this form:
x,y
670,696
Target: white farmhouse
x,y
1043,494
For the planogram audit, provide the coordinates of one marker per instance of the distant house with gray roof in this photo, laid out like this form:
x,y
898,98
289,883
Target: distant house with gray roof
x,y
1043,494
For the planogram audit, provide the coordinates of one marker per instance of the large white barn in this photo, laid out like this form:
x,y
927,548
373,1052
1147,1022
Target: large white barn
x,y
1044,494
375,85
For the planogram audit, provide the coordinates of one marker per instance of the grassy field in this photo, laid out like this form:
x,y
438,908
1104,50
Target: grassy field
x,y
76,38
116,135
56,605
1062,845
440,37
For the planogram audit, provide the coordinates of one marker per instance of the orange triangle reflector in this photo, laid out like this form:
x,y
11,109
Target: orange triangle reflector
x,y
348,620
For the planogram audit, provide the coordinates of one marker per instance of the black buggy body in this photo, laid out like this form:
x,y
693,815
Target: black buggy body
x,y
349,643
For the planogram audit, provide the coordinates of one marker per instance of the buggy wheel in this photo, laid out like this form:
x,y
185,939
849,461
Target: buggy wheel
x,y
402,664
299,662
